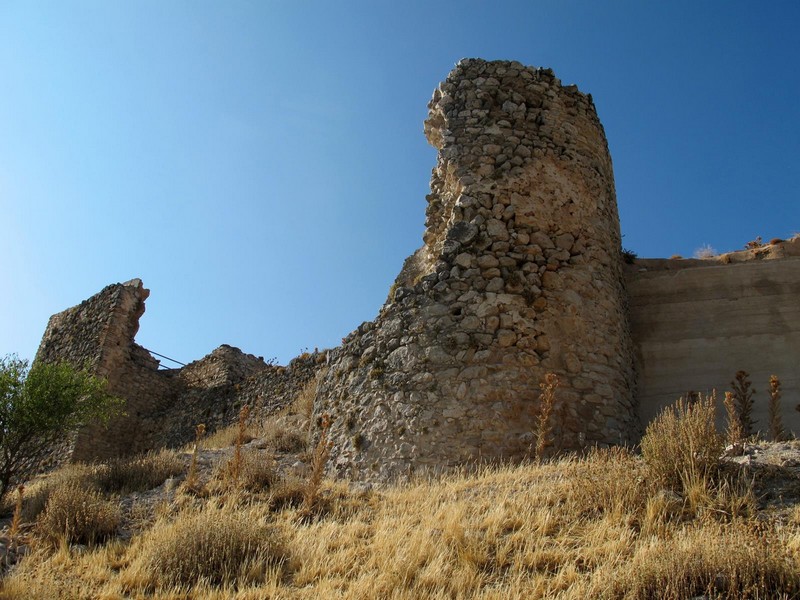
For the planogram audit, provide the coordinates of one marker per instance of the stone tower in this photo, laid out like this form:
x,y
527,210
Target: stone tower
x,y
520,275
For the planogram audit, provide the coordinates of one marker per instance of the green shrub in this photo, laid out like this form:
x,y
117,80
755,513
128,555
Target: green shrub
x,y
38,405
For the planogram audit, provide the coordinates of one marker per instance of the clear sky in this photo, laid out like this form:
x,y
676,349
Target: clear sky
x,y
261,165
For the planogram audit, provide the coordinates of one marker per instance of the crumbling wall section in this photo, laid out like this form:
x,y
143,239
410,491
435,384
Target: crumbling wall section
x,y
98,334
215,388
520,275
162,406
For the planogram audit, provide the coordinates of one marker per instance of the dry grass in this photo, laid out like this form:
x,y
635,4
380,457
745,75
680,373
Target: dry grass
x,y
273,433
281,438
319,458
252,471
592,527
191,482
682,442
215,547
78,515
304,402
136,474
226,437
712,562
37,492
610,524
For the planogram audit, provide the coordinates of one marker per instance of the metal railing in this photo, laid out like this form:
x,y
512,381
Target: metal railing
x,y
160,366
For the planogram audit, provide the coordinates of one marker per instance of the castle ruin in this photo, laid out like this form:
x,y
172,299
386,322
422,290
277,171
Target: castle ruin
x,y
520,274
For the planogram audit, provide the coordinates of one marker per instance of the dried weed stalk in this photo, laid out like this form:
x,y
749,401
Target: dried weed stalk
x,y
191,478
543,426
776,428
236,466
318,461
743,394
733,425
16,520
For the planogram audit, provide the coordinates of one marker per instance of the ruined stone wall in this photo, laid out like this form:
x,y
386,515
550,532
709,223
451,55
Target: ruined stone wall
x,y
215,388
99,333
696,322
520,275
162,407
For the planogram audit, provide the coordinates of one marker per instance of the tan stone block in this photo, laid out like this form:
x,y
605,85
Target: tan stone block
x,y
506,337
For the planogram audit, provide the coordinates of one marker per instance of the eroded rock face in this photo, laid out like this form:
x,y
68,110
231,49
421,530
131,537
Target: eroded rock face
x,y
520,275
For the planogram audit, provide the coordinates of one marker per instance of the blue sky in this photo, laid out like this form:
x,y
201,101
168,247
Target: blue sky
x,y
261,165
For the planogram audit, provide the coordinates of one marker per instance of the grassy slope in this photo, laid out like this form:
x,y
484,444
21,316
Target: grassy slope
x,y
607,525
568,529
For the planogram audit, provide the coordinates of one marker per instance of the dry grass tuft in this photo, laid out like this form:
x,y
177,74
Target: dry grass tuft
x,y
304,402
140,473
16,519
710,562
215,547
705,251
226,437
78,515
682,442
235,466
281,438
287,493
38,492
191,484
319,459
252,471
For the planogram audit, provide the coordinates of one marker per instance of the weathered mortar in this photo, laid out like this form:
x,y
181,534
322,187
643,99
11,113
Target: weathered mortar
x,y
520,275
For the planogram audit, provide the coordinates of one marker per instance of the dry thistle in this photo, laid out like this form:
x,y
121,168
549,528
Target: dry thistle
x,y
754,244
318,461
236,467
775,422
547,398
16,520
733,425
191,478
743,394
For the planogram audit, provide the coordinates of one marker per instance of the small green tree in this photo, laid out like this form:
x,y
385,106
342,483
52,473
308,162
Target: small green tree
x,y
39,406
